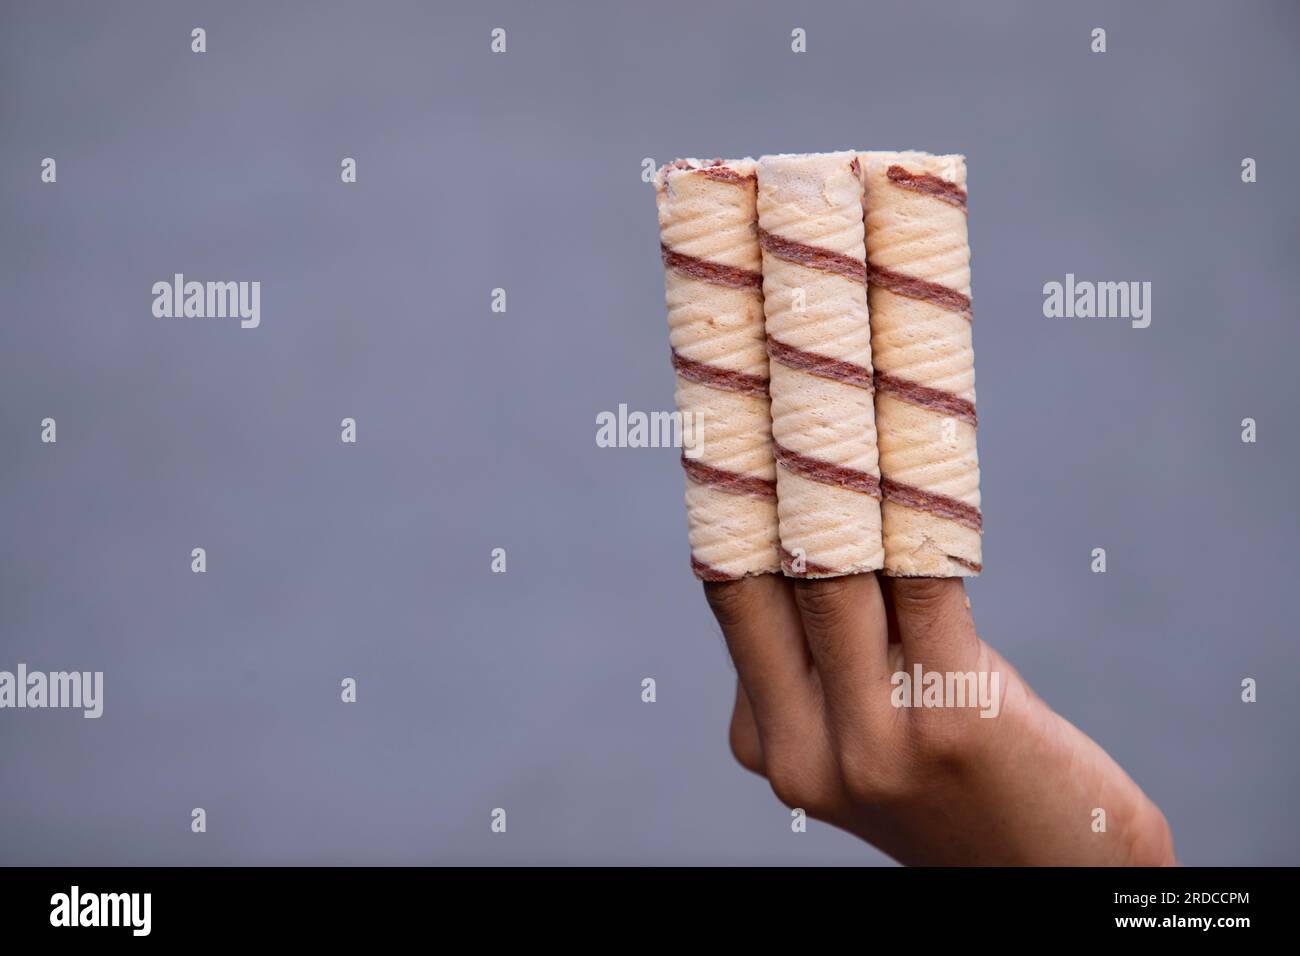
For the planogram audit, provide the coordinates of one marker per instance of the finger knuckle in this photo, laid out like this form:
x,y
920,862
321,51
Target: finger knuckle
x,y
871,778
954,739
940,742
786,780
921,598
730,601
745,749
944,746
796,784
822,603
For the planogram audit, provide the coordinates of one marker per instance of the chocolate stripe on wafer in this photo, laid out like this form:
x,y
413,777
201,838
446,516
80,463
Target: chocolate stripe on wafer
x,y
716,169
926,397
932,502
814,469
814,257
706,572
713,272
972,566
718,377
729,481
914,288
929,184
811,569
848,372
725,174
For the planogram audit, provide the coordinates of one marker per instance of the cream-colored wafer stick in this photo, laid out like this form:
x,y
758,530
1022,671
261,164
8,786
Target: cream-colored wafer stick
x,y
819,341
919,285
715,321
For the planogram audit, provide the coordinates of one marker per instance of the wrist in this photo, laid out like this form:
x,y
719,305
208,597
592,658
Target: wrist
x,y
1152,842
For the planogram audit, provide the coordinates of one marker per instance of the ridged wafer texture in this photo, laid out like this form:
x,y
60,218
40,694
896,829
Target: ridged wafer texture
x,y
819,342
918,273
713,282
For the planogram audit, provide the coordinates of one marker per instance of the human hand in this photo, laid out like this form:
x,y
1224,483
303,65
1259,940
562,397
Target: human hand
x,y
815,714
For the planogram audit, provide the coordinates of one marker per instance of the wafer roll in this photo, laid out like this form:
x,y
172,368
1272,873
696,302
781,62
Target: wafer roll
x,y
819,343
918,273
715,327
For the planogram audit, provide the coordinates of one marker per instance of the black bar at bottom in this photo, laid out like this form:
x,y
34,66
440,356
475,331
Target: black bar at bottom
x,y
881,904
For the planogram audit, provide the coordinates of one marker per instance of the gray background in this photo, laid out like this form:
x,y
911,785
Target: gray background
x,y
477,430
